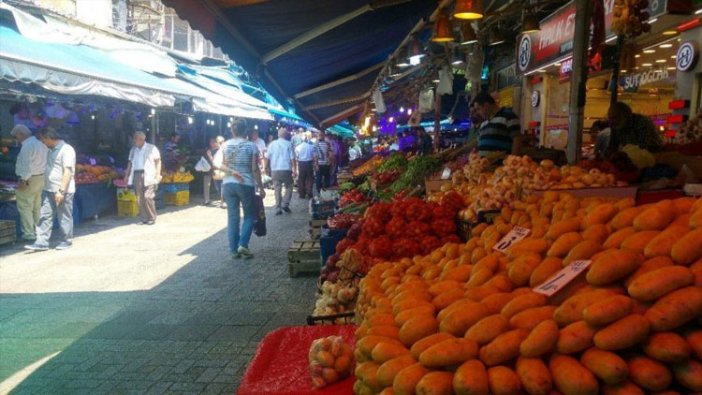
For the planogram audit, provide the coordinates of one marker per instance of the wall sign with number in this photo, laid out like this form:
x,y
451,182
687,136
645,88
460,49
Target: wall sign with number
x,y
686,57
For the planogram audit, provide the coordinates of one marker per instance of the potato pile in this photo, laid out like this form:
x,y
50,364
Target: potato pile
x,y
335,298
331,360
519,176
465,319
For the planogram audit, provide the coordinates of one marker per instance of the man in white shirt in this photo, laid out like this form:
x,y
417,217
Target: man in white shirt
x,y
144,172
262,154
281,159
59,188
304,153
30,167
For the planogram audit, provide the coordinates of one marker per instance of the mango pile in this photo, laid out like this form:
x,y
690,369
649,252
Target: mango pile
x,y
468,319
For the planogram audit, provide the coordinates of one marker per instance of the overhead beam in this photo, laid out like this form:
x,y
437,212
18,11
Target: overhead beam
x,y
314,33
340,115
337,102
338,82
222,19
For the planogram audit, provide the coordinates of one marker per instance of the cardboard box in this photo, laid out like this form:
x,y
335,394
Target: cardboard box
x,y
432,185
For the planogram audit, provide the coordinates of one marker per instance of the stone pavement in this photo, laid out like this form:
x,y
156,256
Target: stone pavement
x,y
147,309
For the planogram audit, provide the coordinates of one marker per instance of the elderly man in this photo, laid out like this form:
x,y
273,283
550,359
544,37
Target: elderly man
x,y
304,153
144,172
281,158
59,188
30,166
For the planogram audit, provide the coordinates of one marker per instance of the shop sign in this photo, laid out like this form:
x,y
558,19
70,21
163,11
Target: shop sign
x,y
535,98
687,56
631,83
554,40
566,69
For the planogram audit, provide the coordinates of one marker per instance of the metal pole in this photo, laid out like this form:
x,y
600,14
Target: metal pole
x,y
583,15
437,120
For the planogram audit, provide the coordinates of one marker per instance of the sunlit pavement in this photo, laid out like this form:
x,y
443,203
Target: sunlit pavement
x,y
147,309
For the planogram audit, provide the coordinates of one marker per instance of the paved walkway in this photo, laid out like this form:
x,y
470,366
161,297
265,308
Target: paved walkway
x,y
147,309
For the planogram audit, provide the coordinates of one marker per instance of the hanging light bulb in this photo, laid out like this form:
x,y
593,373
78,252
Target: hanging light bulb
x,y
443,29
496,37
469,9
457,58
468,35
402,109
415,51
530,22
409,111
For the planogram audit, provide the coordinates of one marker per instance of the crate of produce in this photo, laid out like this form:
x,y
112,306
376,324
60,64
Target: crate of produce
x,y
8,233
328,241
127,208
464,229
304,257
174,187
180,198
322,209
432,185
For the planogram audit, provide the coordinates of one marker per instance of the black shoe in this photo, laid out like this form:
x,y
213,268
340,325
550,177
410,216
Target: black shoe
x,y
287,210
278,212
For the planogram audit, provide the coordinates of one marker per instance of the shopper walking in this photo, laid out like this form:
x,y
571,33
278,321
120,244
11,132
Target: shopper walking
x,y
144,172
30,166
282,161
323,157
304,154
242,175
214,174
57,196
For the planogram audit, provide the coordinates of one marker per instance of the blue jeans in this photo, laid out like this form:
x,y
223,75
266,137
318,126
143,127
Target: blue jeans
x,y
235,194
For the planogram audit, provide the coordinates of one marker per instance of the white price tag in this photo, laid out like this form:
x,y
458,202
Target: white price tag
x,y
516,234
559,280
446,174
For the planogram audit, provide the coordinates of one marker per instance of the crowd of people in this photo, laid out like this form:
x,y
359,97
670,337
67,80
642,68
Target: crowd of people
x,y
244,164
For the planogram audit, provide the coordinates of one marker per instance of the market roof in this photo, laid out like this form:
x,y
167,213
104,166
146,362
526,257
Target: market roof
x,y
323,57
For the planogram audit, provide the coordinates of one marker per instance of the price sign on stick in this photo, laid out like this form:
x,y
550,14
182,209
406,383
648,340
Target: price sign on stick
x,y
559,280
516,234
446,174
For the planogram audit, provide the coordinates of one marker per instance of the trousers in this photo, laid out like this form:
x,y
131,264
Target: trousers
x,y
29,206
305,179
282,179
49,211
145,197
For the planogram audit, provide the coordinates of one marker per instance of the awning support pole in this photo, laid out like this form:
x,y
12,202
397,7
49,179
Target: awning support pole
x,y
581,38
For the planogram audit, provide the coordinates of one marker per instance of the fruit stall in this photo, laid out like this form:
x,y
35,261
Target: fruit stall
x,y
516,276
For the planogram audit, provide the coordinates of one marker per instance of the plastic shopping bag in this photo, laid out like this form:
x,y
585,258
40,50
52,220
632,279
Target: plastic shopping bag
x,y
259,216
203,165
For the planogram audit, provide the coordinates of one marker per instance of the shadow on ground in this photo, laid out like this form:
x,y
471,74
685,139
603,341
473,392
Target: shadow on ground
x,y
194,332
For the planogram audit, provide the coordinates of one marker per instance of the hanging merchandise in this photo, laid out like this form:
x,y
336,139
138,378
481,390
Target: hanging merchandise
x,y
379,102
445,81
426,100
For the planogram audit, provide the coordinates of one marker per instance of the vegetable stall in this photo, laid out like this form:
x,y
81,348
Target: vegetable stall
x,y
513,277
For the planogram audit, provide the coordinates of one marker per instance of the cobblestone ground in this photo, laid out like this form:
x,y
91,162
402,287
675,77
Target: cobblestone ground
x,y
147,309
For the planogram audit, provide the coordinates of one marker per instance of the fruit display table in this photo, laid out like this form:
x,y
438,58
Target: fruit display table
x,y
280,366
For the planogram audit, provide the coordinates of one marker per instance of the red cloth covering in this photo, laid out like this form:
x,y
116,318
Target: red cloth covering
x,y
281,367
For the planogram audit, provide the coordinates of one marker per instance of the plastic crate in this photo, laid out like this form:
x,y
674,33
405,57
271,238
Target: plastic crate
x,y
180,198
127,208
174,187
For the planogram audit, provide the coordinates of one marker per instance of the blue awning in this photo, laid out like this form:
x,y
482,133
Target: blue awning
x,y
341,131
81,70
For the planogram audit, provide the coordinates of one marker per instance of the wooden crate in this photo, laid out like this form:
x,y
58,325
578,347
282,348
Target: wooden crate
x,y
304,257
8,233
316,228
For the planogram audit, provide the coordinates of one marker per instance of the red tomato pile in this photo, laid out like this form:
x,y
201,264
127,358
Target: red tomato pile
x,y
352,196
403,229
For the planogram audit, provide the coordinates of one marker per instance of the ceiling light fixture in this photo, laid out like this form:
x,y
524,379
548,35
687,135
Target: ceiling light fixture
x,y
530,22
661,60
415,51
457,58
666,45
443,29
496,37
647,64
670,32
637,55
671,68
649,51
652,21
469,9
468,35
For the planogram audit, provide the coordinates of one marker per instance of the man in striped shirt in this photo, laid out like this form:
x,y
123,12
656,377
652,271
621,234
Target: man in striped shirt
x,y
323,161
500,130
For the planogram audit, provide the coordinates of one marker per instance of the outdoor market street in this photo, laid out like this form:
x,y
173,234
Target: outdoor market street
x,y
147,309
